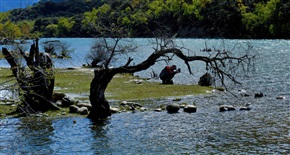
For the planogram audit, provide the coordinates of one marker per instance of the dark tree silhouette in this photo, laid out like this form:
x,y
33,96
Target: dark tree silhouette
x,y
36,80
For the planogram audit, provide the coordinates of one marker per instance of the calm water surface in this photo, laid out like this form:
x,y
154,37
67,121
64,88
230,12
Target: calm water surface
x,y
263,130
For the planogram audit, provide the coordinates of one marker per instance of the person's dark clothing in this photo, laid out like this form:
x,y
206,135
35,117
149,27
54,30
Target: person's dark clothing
x,y
166,75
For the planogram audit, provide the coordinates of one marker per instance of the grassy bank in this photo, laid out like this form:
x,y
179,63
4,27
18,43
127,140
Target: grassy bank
x,y
122,86
76,83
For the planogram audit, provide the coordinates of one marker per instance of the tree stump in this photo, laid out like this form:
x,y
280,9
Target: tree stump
x,y
35,80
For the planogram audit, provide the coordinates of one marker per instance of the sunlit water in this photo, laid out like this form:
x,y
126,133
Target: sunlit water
x,y
263,130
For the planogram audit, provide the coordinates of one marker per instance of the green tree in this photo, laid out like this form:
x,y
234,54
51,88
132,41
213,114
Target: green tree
x,y
222,19
4,16
25,27
41,24
10,30
51,30
91,17
281,21
64,26
258,22
1,31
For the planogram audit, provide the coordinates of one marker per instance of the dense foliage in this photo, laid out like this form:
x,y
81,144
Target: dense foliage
x,y
147,18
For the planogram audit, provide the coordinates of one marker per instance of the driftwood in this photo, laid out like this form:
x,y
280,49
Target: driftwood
x,y
36,81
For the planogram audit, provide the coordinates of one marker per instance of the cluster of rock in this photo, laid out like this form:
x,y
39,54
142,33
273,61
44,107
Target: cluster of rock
x,y
80,109
174,108
84,108
243,93
74,106
128,106
171,108
231,108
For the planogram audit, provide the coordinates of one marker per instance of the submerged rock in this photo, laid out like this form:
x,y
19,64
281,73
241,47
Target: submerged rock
x,y
245,108
183,105
226,108
248,106
88,105
115,110
83,111
131,105
79,110
259,95
243,93
67,101
73,109
281,97
172,108
189,108
177,99
137,105
58,96
158,109
142,109
124,103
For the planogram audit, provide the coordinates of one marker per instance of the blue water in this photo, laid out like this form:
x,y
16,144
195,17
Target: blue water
x,y
263,130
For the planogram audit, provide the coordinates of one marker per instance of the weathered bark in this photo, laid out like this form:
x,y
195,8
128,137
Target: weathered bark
x,y
36,86
100,106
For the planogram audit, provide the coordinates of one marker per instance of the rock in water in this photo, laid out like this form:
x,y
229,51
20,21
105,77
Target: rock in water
x,y
83,111
227,108
189,108
73,109
173,108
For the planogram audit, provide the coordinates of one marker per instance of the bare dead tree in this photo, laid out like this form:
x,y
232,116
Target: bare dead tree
x,y
57,48
97,54
102,52
36,80
222,62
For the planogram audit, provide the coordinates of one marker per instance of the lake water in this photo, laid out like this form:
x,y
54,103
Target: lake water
x,y
263,130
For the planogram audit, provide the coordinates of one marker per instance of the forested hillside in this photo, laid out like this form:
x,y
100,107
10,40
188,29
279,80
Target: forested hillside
x,y
150,18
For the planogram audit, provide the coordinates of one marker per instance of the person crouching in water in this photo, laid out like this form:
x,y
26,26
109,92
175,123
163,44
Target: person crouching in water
x,y
168,73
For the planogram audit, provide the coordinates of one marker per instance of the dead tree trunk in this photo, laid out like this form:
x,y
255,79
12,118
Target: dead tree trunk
x,y
36,83
100,106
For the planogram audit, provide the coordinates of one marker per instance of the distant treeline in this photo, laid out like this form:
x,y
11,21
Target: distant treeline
x,y
266,19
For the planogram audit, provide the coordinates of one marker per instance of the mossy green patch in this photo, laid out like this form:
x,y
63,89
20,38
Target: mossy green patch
x,y
6,110
126,87
5,74
73,81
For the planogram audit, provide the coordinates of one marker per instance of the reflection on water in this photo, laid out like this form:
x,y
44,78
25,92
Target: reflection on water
x,y
263,130
26,134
